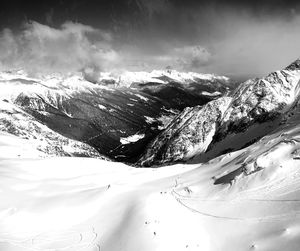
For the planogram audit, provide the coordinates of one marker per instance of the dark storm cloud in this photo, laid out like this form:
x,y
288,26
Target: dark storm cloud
x,y
232,37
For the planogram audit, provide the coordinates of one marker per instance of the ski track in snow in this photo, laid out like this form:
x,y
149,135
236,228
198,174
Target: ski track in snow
x,y
132,185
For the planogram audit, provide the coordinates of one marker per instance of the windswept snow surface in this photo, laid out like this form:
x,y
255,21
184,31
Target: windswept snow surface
x,y
244,200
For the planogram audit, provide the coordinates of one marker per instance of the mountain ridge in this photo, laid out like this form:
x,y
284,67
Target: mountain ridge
x,y
106,116
254,102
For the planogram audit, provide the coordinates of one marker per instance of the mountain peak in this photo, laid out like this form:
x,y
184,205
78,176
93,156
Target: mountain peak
x,y
294,66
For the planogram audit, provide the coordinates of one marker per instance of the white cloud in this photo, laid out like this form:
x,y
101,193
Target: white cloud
x,y
192,57
184,58
40,48
256,47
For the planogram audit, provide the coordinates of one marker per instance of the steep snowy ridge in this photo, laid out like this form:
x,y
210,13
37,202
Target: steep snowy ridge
x,y
188,134
253,110
261,100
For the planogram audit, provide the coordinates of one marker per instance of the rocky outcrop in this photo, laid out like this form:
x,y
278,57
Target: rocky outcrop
x,y
188,134
229,123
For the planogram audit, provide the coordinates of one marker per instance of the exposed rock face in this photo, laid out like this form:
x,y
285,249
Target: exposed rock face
x,y
189,133
294,66
260,100
229,123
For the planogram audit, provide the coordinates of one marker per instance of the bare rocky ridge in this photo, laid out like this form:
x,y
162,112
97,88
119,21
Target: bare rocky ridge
x,y
257,107
187,134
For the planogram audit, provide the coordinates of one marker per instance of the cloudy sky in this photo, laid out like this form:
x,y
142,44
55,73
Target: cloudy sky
x,y
236,38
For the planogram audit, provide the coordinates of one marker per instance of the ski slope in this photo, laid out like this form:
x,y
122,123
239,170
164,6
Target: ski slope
x,y
244,200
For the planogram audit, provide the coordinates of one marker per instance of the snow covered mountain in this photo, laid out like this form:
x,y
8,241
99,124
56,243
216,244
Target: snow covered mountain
x,y
243,200
160,77
116,120
228,123
246,199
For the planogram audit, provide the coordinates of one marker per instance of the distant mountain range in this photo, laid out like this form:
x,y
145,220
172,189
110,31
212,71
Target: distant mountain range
x,y
152,118
160,77
118,116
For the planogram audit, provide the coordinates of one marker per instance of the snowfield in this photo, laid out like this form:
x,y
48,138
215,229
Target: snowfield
x,y
244,200
130,139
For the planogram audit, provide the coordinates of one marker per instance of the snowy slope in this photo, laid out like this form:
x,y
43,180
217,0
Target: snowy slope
x,y
245,200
